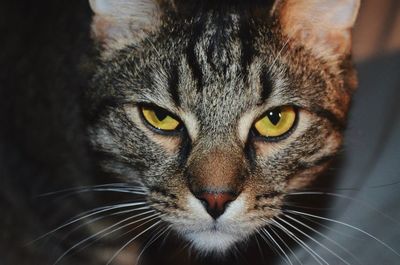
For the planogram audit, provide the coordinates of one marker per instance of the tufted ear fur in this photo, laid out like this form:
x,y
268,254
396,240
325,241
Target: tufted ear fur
x,y
323,26
117,23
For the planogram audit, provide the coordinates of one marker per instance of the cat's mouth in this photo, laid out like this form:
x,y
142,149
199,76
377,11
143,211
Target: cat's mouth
x,y
210,233
216,235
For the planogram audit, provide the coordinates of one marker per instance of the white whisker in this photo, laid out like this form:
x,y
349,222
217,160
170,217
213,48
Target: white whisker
x,y
109,208
130,241
105,216
147,218
279,54
90,213
317,257
158,215
324,236
279,247
151,241
329,228
112,187
342,196
259,249
102,231
314,240
271,246
347,225
286,245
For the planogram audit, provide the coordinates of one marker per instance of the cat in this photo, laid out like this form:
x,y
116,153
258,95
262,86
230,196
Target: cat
x,y
217,111
209,115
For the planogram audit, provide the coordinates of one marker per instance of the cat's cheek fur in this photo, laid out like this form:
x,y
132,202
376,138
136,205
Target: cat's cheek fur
x,y
305,177
332,143
191,124
245,124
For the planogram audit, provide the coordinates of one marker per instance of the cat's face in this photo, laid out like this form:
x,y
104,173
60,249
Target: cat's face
x,y
220,113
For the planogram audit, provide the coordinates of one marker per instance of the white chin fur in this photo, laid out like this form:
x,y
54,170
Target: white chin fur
x,y
212,241
209,236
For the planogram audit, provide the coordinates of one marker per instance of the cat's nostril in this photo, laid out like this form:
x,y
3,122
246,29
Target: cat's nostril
x,y
216,202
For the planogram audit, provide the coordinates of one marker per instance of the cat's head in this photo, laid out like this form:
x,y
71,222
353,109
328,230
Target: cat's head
x,y
218,110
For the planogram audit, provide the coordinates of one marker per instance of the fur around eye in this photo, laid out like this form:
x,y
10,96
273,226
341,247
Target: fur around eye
x,y
276,122
159,119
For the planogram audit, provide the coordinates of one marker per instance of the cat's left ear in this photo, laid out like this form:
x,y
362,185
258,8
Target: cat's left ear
x,y
323,26
117,23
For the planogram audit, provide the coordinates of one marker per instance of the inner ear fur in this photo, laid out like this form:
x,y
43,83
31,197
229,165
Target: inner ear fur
x,y
117,23
322,26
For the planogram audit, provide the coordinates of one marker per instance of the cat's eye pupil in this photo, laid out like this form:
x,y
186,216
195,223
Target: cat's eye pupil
x,y
274,116
160,114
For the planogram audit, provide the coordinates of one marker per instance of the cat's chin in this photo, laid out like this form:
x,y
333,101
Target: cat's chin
x,y
212,242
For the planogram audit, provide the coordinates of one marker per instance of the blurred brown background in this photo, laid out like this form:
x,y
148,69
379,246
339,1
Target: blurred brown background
x,y
377,30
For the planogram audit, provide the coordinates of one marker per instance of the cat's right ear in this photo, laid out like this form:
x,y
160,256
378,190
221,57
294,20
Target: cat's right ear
x,y
117,23
322,26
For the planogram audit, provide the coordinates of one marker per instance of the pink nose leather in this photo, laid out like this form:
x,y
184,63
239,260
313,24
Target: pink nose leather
x,y
216,203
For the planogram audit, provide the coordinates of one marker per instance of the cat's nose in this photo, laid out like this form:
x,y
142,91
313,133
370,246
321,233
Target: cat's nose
x,y
216,202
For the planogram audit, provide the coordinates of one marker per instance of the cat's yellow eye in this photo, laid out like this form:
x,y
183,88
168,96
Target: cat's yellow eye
x,y
276,122
160,119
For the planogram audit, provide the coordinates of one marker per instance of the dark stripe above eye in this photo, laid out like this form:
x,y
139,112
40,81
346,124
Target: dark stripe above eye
x,y
266,85
248,51
192,60
332,118
320,161
173,85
